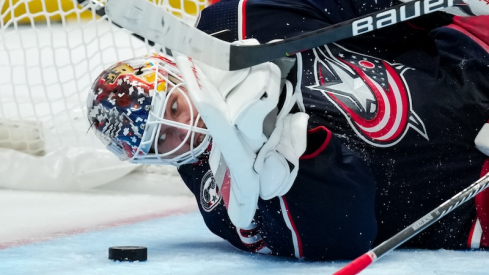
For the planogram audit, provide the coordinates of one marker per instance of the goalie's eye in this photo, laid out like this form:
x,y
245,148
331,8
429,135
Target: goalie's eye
x,y
162,138
174,106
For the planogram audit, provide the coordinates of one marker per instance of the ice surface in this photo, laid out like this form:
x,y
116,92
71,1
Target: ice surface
x,y
70,233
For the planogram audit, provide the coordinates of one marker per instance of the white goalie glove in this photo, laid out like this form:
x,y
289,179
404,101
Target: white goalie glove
x,y
277,162
482,139
256,146
471,8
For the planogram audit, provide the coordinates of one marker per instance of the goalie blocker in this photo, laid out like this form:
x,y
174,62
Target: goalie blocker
x,y
256,140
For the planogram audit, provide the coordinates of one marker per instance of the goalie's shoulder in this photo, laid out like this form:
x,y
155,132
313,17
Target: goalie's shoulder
x,y
222,15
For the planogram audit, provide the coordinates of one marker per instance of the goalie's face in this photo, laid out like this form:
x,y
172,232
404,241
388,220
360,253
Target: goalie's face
x,y
181,129
141,110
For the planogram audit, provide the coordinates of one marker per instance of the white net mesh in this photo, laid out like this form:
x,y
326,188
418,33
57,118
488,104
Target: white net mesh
x,y
50,53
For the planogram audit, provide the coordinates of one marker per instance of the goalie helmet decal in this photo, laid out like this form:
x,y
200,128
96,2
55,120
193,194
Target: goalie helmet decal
x,y
126,110
120,102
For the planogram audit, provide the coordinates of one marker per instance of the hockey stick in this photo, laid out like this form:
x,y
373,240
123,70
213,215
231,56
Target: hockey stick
x,y
153,23
366,259
98,8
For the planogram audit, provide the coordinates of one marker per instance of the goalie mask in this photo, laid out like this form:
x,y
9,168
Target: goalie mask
x,y
140,109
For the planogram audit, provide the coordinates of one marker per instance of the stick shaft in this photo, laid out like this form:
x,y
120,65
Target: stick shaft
x,y
343,30
153,23
468,193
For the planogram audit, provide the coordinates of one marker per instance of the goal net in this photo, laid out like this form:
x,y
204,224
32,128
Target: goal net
x,y
50,53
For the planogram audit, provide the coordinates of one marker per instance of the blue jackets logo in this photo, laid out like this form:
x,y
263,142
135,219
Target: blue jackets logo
x,y
370,93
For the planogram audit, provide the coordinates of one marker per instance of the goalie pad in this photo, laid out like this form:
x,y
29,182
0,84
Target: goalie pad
x,y
279,166
237,107
233,105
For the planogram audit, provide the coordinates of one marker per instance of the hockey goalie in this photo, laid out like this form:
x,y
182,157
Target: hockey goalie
x,y
328,152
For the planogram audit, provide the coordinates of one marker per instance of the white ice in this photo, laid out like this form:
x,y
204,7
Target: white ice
x,y
70,233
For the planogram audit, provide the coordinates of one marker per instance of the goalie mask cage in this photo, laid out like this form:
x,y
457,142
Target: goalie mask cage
x,y
51,51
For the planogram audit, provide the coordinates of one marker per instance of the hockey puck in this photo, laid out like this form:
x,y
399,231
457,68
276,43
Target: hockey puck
x,y
128,253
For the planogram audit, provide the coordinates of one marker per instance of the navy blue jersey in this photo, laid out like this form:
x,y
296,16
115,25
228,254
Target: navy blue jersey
x,y
393,117
312,219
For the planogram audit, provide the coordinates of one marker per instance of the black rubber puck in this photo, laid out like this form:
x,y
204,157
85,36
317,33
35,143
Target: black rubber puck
x,y
128,253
